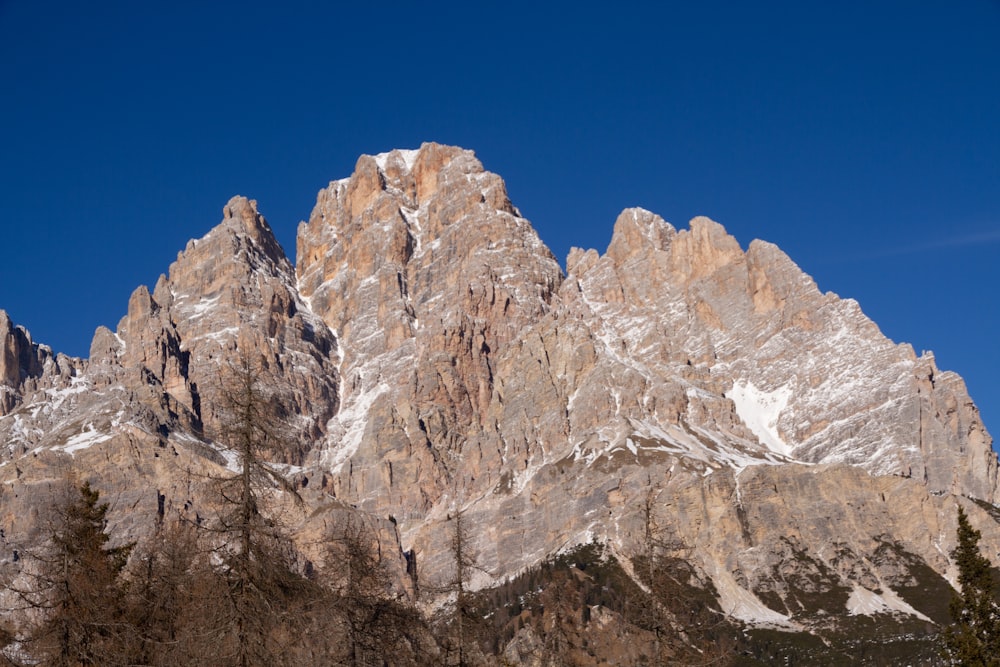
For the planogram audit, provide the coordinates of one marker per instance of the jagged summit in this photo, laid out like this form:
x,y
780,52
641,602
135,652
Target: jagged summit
x,y
438,360
255,227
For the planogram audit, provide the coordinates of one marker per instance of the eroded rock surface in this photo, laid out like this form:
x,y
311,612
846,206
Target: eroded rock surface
x,y
434,360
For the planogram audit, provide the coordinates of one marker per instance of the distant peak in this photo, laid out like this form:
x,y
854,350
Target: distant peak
x,y
399,168
703,225
242,209
433,156
254,225
414,176
407,156
637,229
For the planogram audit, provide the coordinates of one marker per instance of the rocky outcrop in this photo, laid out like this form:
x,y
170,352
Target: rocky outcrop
x,y
26,367
428,274
808,374
20,359
229,294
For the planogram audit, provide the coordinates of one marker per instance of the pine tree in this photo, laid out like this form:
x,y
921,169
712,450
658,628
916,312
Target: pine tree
x,y
377,627
169,583
78,587
261,607
562,603
462,626
680,620
973,639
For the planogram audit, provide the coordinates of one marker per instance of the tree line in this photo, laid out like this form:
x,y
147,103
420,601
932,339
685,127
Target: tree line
x,y
231,591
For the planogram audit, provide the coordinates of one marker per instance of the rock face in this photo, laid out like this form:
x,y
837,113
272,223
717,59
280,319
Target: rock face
x,y
429,276
25,366
437,361
232,290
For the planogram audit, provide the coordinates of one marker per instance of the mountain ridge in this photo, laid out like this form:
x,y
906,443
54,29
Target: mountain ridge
x,y
438,360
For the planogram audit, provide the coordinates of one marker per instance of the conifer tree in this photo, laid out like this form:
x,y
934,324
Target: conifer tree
x,y
680,620
79,591
262,602
562,602
170,579
973,639
378,628
462,626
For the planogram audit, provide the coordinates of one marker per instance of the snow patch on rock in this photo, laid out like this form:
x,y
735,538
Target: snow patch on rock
x,y
760,410
409,158
739,603
84,439
348,428
868,603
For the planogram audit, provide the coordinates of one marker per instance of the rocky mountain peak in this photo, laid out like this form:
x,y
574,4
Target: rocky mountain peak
x,y
245,210
20,359
705,248
638,230
416,175
27,367
230,294
398,224
427,273
436,360
254,226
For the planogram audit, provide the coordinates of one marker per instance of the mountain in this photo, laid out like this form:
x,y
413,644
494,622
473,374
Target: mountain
x,y
436,361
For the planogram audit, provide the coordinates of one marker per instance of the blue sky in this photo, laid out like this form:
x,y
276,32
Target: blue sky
x,y
861,137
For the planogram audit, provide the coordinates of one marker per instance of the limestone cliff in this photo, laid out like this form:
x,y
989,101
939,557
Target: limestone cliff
x,y
436,359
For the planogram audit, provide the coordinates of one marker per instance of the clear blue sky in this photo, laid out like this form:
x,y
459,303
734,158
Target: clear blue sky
x,y
861,137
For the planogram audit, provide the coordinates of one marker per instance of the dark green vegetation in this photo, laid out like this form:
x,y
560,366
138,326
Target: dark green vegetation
x,y
874,641
817,600
974,637
582,608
